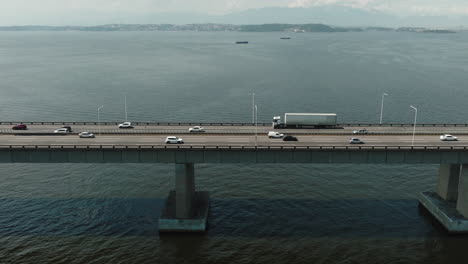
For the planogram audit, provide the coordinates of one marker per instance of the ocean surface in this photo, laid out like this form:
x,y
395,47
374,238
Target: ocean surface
x,y
265,213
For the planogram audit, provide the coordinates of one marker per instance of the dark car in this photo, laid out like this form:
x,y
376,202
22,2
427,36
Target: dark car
x,y
68,128
20,127
289,138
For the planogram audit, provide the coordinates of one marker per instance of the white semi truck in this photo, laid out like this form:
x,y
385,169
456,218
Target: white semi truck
x,y
299,120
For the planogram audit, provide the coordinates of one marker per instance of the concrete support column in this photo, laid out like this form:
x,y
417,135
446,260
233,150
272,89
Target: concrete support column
x,y
185,210
462,202
447,187
184,189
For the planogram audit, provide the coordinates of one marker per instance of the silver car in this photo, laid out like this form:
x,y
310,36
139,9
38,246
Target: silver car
x,y
126,125
448,137
86,135
355,141
361,131
196,129
62,130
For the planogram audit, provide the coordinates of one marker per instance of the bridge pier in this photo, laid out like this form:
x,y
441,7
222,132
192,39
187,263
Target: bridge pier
x,y
462,201
185,210
447,187
449,204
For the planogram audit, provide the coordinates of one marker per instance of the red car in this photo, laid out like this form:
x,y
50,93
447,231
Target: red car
x,y
20,127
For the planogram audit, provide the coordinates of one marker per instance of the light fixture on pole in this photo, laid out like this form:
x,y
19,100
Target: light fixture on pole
x,y
381,107
256,124
414,126
99,118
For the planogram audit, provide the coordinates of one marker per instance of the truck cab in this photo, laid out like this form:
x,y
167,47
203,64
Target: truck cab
x,y
277,123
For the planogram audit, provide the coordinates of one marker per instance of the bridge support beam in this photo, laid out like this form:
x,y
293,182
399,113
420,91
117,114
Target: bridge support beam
x,y
449,205
186,210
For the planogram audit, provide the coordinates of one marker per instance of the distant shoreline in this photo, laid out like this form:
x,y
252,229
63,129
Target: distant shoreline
x,y
292,28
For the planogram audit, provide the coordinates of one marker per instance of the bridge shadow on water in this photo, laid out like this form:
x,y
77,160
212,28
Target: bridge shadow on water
x,y
262,218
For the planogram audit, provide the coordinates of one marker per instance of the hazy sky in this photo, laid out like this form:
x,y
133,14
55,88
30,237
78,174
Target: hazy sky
x,y
34,7
37,11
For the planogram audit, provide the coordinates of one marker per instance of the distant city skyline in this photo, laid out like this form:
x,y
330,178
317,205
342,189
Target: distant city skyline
x,y
92,12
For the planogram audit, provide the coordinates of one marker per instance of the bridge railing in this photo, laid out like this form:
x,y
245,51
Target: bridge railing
x,y
402,125
84,123
142,132
226,147
133,123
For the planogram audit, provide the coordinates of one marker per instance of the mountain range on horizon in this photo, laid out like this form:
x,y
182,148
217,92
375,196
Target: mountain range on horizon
x,y
330,15
341,16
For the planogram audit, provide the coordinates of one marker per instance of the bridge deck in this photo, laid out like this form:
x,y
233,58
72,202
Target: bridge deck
x,y
200,140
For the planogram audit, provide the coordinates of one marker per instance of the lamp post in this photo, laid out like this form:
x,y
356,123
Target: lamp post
x,y
99,118
253,108
414,126
256,124
126,108
381,107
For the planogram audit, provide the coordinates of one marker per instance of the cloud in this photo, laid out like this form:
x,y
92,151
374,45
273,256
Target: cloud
x,y
14,12
402,7
313,3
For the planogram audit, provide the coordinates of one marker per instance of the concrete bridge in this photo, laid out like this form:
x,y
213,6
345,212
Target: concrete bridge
x,y
187,209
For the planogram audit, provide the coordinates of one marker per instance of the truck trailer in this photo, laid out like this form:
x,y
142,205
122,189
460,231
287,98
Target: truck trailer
x,y
305,120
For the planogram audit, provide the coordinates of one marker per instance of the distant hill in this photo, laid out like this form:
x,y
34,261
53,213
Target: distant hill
x,y
299,28
338,16
331,15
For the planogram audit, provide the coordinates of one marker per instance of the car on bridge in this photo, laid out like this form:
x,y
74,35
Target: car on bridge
x,y
174,140
289,138
361,132
274,134
126,125
64,129
196,129
448,137
355,141
20,127
86,135
69,129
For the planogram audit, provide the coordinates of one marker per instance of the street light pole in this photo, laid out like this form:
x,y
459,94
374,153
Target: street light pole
x,y
99,118
381,107
256,124
414,126
126,108
253,108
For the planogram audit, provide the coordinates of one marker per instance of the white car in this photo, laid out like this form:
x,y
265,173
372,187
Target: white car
x,y
196,129
274,134
448,137
361,131
355,141
62,130
126,125
174,140
86,135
